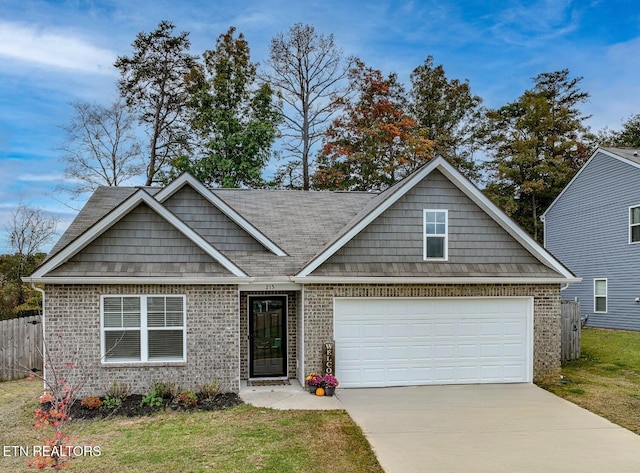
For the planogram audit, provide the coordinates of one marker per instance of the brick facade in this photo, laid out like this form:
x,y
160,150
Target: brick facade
x,y
217,328
318,315
72,335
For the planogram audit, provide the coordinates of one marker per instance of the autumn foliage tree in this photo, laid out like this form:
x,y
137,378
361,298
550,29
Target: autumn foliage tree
x,y
374,143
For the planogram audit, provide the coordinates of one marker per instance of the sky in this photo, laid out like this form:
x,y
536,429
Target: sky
x,y
56,52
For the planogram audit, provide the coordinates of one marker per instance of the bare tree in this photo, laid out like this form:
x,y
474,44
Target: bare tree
x,y
307,70
29,230
152,81
101,148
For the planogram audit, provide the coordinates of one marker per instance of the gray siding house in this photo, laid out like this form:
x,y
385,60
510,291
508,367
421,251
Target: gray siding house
x,y
425,283
593,227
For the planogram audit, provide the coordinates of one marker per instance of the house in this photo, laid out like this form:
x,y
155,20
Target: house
x,y
425,283
593,227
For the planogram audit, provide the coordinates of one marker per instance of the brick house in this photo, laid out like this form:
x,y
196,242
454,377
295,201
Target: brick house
x,y
427,282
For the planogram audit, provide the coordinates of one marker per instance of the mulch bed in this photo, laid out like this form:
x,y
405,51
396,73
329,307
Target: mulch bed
x,y
131,407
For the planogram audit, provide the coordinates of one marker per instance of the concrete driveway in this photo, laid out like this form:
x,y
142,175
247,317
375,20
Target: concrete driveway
x,y
487,428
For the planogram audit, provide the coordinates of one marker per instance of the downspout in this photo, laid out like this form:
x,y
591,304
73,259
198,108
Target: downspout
x,y
44,344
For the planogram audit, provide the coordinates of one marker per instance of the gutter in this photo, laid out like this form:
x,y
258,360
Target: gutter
x,y
431,280
44,344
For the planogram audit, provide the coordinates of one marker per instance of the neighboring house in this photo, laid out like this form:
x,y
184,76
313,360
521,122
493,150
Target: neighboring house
x,y
425,283
593,227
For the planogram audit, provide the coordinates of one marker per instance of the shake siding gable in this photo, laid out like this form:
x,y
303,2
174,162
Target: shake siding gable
x,y
218,229
587,228
141,244
392,245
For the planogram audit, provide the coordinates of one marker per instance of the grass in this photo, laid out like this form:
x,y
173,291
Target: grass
x,y
606,378
241,439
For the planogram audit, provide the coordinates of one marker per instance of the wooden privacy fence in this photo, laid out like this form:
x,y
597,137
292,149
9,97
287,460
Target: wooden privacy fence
x,y
20,347
570,330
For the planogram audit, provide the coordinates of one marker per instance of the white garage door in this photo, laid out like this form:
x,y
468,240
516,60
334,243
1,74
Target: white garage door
x,y
401,342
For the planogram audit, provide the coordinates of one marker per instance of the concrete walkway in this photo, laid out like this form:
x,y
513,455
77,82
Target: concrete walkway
x,y
286,397
487,428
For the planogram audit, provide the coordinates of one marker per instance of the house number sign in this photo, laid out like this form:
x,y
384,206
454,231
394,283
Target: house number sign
x,y
329,358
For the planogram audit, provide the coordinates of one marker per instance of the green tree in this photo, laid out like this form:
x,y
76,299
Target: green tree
x,y
234,118
628,137
306,69
375,142
449,113
536,145
152,82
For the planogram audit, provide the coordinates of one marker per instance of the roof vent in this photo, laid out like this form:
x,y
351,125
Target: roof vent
x,y
635,153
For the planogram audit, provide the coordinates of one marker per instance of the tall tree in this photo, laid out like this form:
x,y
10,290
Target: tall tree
x,y
628,137
537,144
235,118
306,69
152,81
449,113
375,142
101,148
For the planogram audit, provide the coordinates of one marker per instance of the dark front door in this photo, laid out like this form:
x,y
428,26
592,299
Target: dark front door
x,y
267,336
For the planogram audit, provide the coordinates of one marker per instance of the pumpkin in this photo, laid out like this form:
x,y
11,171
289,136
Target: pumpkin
x,y
320,392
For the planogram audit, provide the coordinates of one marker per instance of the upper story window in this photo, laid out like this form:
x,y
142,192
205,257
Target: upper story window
x,y
143,328
634,224
436,235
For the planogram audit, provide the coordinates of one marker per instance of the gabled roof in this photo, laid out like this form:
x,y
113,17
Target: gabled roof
x,y
295,231
385,200
188,179
104,223
628,156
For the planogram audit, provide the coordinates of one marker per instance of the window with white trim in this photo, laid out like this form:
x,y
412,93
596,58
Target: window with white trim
x,y
600,296
436,235
143,328
634,224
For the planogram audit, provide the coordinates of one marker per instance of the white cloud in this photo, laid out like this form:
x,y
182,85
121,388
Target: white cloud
x,y
53,48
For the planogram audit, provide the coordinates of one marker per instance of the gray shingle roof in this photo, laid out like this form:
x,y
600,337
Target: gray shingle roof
x,y
299,222
632,154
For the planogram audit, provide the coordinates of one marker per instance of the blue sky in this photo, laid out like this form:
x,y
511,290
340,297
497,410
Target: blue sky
x,y
55,52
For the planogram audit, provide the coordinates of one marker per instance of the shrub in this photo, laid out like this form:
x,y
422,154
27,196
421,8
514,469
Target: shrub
x,y
118,390
91,402
152,399
111,403
187,398
208,390
165,389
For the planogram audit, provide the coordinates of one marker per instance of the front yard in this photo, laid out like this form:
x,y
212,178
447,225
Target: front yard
x,y
606,378
239,439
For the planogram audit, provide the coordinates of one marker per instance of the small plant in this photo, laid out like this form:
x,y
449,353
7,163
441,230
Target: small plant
x,y
208,390
118,390
91,402
111,403
152,400
330,381
187,398
314,379
165,389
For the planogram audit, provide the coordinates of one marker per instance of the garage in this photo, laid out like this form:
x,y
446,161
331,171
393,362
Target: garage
x,y
418,341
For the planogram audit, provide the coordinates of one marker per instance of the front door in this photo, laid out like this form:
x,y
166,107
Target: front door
x,y
267,336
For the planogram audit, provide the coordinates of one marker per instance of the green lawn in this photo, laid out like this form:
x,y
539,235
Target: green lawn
x,y
606,378
241,439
